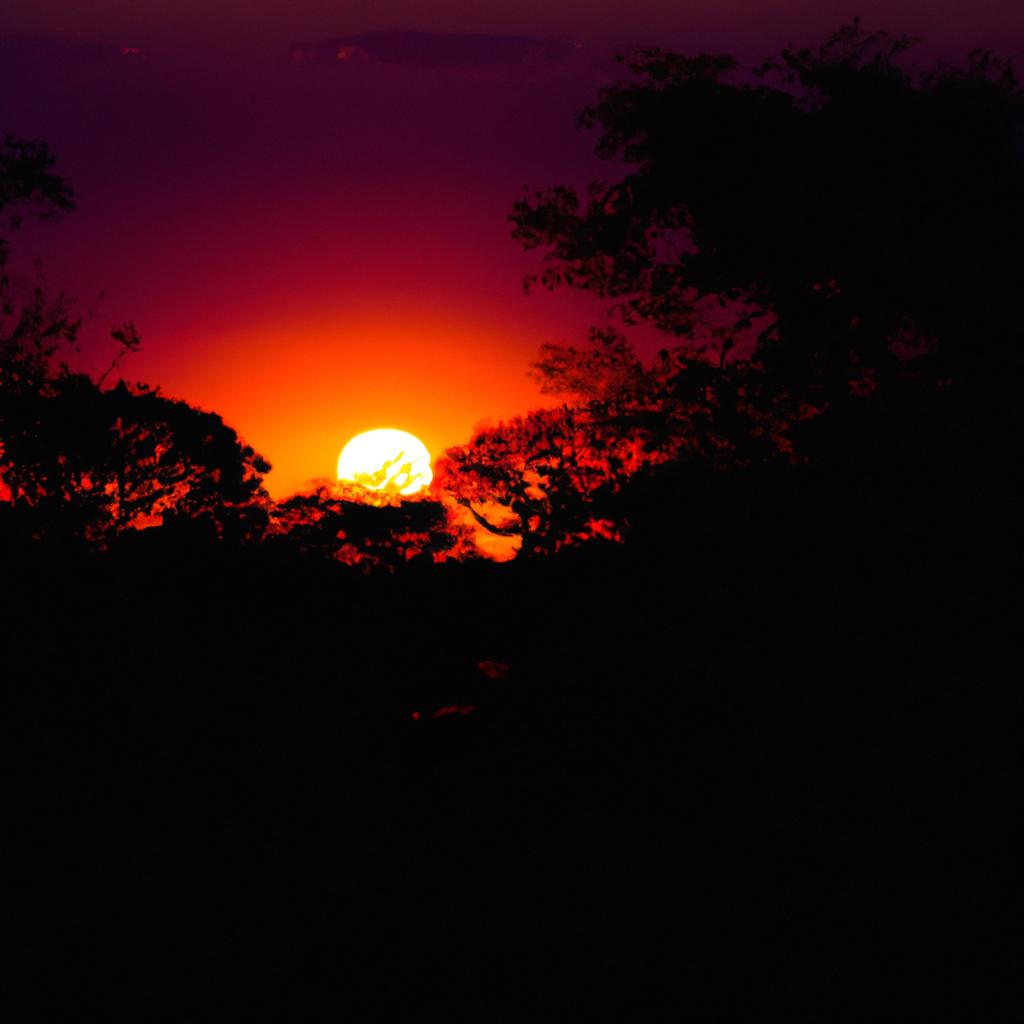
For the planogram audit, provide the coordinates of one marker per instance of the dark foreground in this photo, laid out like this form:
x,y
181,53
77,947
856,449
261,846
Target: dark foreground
x,y
759,760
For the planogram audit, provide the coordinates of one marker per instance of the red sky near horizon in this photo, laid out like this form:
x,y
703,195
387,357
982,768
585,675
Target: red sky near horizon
x,y
315,250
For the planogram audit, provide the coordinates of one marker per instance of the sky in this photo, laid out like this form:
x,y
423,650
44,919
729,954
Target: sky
x,y
313,248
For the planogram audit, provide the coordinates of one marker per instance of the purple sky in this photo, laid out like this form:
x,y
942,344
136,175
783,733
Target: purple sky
x,y
314,249
263,23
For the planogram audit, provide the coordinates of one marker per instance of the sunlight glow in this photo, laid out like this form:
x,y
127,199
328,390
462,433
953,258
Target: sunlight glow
x,y
392,461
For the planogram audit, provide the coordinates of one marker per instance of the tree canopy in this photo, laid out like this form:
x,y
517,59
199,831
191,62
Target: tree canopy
x,y
846,205
826,243
81,461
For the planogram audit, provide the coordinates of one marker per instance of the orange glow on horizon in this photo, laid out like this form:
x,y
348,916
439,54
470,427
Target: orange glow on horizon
x,y
294,390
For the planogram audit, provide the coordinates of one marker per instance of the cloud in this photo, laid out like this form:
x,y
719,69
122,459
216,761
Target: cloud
x,y
433,49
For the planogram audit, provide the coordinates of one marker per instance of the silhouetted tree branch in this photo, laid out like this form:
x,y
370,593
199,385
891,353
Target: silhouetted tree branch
x,y
498,531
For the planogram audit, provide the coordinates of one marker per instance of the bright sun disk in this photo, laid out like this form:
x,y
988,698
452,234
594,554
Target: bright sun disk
x,y
393,461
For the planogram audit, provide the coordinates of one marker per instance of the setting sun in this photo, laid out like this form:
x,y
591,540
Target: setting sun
x,y
392,461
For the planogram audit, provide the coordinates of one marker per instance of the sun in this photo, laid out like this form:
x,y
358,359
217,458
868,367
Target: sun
x,y
392,461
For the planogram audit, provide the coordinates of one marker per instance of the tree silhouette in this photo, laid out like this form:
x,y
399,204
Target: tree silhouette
x,y
77,461
546,472
552,477
82,462
565,475
828,267
839,222
340,524
29,186
32,328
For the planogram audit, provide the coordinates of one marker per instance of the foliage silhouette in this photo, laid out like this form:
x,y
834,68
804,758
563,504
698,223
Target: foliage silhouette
x,y
29,186
566,475
33,328
843,222
79,462
350,526
831,271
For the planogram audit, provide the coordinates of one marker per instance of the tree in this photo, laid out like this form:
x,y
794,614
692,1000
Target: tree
x,y
33,328
78,461
565,475
29,186
342,525
88,463
544,476
822,243
837,222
